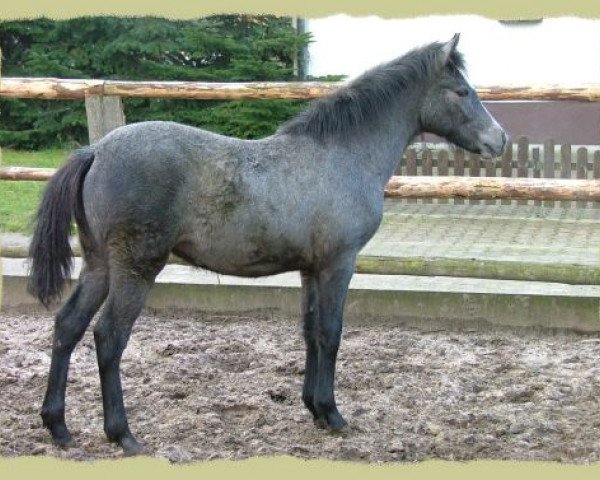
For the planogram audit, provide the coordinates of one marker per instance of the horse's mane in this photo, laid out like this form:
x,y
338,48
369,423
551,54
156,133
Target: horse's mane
x,y
362,100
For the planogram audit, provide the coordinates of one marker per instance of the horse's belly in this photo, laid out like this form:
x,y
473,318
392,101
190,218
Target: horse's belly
x,y
241,258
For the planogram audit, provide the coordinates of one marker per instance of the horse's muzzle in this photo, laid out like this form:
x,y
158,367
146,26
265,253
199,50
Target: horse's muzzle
x,y
493,142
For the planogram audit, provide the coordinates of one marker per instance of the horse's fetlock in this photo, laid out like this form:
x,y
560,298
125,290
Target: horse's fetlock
x,y
52,414
308,400
115,432
324,407
48,419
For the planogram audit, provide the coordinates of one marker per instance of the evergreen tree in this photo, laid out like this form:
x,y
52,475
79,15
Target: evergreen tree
x,y
225,48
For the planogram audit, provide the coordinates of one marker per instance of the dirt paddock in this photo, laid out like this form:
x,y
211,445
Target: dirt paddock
x,y
208,386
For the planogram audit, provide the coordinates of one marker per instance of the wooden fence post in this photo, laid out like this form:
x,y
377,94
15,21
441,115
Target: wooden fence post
x,y
537,168
522,161
506,168
596,171
581,170
459,169
443,161
411,167
565,168
427,167
104,113
549,166
474,171
490,171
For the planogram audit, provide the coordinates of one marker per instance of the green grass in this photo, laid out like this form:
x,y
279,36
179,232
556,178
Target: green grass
x,y
19,200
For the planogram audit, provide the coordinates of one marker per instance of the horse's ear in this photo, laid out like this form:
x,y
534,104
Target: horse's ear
x,y
448,48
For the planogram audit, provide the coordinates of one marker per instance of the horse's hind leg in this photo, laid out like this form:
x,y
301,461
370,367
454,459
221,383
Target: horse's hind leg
x,y
128,289
69,326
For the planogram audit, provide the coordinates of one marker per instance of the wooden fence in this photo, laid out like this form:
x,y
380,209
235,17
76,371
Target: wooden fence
x,y
425,175
59,88
105,112
520,160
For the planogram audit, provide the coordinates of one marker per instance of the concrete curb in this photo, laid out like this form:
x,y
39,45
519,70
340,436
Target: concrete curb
x,y
436,266
416,302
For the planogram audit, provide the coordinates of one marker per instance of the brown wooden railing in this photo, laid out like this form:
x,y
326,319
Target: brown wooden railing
x,y
525,173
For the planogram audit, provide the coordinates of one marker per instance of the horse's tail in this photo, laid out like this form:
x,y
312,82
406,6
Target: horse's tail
x,y
50,251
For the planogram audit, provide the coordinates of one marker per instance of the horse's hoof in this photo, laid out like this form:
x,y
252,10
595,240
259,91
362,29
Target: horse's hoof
x,y
334,423
320,423
61,437
341,430
64,442
337,425
130,446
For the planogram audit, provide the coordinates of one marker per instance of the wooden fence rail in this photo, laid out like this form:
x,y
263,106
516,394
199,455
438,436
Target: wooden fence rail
x,y
57,88
26,174
432,187
493,188
73,89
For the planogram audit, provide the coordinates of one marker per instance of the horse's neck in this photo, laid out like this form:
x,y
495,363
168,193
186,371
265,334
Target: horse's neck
x,y
380,149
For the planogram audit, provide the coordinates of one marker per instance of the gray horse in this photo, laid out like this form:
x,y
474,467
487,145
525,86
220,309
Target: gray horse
x,y
305,199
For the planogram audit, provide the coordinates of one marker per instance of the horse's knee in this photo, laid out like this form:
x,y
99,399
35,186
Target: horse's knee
x,y
65,340
108,344
68,331
309,333
74,317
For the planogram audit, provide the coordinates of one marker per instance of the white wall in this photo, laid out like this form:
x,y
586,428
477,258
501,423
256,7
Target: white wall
x,y
555,51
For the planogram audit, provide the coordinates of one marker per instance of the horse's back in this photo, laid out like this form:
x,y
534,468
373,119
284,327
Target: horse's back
x,y
141,174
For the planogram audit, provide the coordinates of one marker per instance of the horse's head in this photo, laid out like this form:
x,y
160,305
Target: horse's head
x,y
452,109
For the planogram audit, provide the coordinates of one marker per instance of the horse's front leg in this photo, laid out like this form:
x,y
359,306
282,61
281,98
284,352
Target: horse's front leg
x,y
310,316
332,288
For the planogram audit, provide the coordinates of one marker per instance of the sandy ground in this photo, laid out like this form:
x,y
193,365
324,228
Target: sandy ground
x,y
229,387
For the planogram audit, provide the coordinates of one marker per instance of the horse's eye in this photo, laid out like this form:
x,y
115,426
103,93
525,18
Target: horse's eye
x,y
462,92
